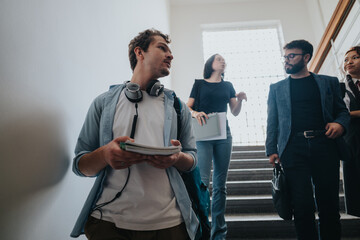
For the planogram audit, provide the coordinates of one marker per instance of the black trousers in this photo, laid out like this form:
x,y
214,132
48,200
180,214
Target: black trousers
x,y
311,168
351,169
96,229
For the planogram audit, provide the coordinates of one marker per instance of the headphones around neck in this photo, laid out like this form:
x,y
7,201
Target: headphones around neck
x,y
134,94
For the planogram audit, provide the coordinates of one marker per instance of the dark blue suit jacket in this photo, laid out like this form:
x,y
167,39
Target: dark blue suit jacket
x,y
279,110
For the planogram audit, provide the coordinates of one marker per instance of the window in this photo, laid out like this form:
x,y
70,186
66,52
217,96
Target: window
x,y
253,58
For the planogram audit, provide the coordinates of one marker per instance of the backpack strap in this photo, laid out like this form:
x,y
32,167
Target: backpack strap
x,y
177,106
197,190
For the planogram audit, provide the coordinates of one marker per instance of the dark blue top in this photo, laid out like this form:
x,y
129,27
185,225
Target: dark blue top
x,y
306,110
212,97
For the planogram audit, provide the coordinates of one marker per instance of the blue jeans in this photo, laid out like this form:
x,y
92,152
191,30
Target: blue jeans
x,y
217,152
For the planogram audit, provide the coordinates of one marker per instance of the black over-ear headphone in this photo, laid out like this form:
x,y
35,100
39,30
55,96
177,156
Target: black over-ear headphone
x,y
154,88
134,94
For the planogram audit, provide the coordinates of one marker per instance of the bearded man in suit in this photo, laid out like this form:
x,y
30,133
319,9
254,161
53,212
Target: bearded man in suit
x,y
306,119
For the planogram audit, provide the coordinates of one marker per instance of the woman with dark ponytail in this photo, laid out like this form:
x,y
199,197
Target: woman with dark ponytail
x,y
209,95
352,100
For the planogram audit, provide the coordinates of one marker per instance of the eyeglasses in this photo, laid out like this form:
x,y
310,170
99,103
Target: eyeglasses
x,y
291,56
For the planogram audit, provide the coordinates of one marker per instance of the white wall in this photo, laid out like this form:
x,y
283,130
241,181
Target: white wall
x,y
55,57
320,12
348,36
186,32
327,9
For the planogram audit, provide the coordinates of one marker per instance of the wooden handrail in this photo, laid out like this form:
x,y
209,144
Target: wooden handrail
x,y
332,30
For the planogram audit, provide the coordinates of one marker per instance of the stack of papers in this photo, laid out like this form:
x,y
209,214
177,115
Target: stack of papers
x,y
149,150
214,129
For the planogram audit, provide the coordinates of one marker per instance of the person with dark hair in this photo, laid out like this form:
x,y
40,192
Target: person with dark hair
x,y
305,46
351,168
143,41
306,120
137,196
209,95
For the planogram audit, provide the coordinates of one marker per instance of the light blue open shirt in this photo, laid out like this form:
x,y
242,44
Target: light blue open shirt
x,y
97,132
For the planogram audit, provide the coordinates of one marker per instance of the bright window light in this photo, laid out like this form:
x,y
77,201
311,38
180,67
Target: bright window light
x,y
253,58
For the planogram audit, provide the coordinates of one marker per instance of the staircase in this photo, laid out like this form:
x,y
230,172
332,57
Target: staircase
x,y
250,213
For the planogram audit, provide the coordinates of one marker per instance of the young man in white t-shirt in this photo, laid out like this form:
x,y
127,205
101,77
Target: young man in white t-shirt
x,y
137,196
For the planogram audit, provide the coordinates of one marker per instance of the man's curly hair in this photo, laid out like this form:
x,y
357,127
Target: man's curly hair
x,y
143,40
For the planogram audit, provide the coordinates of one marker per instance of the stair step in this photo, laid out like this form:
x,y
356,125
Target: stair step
x,y
241,238
249,204
253,187
257,204
293,238
256,187
249,163
249,148
271,226
250,174
248,154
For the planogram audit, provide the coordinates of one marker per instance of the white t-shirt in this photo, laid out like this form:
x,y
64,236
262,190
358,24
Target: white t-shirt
x,y
147,202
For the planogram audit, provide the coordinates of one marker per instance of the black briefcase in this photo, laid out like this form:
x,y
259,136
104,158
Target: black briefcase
x,y
280,194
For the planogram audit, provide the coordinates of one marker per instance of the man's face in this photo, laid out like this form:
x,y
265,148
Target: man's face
x,y
157,58
352,63
294,60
